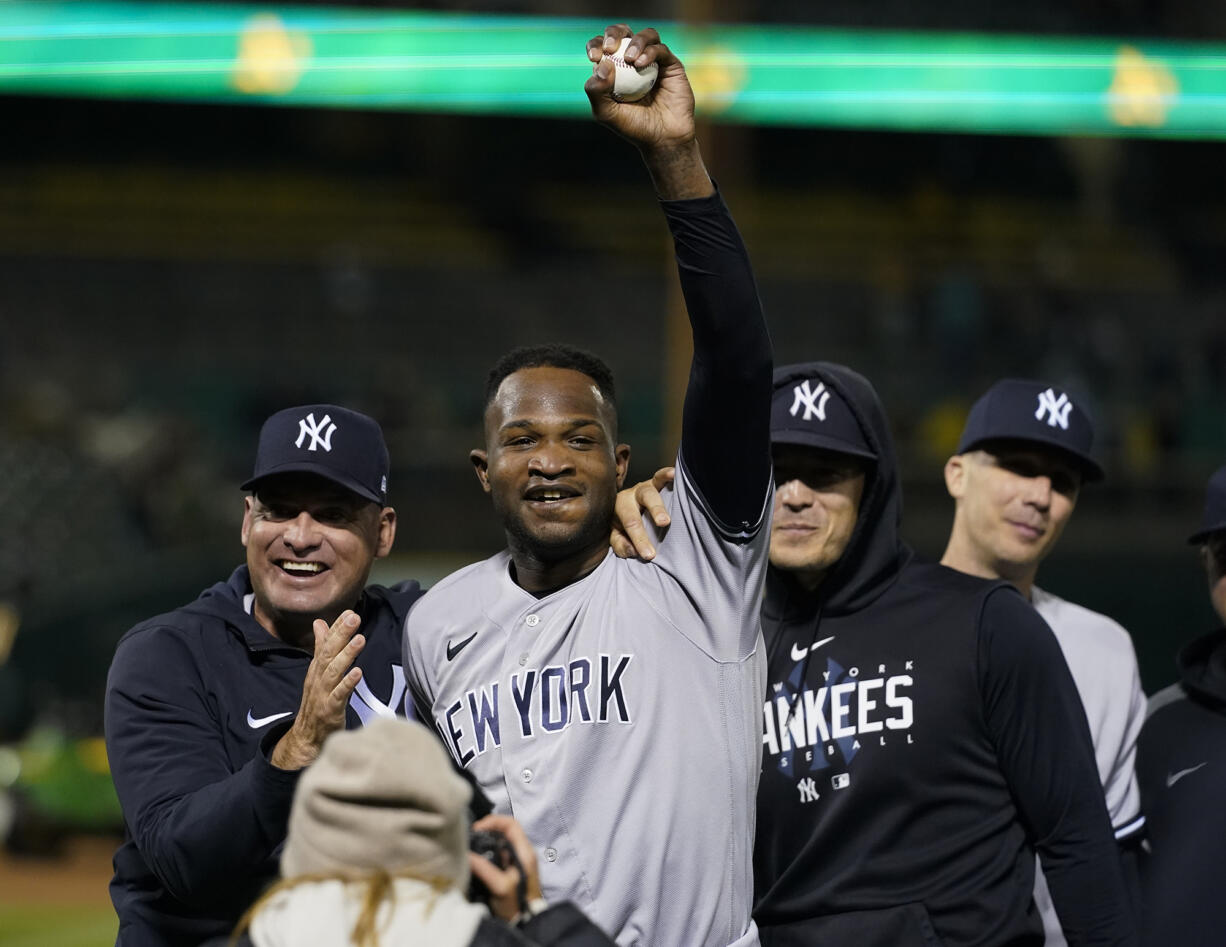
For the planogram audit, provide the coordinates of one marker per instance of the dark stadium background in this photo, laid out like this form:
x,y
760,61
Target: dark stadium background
x,y
170,274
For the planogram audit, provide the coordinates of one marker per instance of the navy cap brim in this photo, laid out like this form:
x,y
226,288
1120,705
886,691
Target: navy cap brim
x,y
320,470
1091,472
1200,536
810,439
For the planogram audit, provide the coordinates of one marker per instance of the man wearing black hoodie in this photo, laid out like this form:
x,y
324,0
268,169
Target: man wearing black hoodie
x,y
1181,759
922,735
214,709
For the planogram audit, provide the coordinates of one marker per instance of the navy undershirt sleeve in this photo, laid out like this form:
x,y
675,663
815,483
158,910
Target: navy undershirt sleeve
x,y
1045,752
725,435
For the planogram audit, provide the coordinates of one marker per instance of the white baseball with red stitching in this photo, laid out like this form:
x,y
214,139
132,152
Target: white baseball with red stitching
x,y
631,84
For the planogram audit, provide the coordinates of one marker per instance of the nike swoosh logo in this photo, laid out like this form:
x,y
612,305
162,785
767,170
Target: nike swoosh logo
x,y
454,649
798,653
256,722
1173,778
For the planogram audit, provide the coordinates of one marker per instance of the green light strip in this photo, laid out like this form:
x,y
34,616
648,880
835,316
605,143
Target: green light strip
x,y
348,58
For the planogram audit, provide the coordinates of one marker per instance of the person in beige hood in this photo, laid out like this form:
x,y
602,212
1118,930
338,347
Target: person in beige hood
x,y
378,855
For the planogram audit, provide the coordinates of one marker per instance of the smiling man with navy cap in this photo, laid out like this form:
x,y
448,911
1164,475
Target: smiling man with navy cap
x,y
1024,453
1181,765
214,709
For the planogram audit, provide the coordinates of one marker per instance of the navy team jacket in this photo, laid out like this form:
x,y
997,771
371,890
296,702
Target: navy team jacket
x,y
195,701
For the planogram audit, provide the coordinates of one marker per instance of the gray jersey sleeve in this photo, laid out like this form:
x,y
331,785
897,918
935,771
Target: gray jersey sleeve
x,y
705,573
1100,655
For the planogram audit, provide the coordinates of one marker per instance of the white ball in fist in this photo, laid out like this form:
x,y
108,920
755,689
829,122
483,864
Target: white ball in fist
x,y
631,84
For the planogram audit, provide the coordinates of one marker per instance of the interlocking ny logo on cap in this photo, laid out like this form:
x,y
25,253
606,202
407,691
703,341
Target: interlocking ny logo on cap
x,y
813,400
1056,409
308,428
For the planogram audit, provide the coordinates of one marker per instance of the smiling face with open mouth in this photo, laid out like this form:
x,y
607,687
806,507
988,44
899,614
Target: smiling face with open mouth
x,y
552,465
310,546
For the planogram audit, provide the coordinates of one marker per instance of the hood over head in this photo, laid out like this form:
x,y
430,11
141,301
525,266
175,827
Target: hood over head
x,y
1202,666
875,552
1214,518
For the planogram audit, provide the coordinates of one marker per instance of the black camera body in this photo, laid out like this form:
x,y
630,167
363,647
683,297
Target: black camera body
x,y
494,847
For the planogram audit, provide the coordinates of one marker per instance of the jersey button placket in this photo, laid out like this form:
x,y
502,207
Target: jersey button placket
x,y
531,621
528,774
522,755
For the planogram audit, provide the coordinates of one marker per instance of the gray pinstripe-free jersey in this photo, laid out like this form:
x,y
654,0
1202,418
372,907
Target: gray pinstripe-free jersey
x,y
1103,662
617,720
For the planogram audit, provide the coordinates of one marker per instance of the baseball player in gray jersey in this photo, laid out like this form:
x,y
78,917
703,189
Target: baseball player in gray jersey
x,y
1020,464
612,706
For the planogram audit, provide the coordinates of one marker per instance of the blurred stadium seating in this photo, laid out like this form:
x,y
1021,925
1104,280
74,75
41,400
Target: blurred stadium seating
x,y
170,274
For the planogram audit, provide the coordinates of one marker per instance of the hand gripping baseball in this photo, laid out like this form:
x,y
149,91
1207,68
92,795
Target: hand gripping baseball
x,y
330,680
665,116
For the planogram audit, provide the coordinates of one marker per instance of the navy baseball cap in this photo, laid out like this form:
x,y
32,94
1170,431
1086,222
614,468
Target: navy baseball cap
x,y
1214,519
343,446
1016,409
807,411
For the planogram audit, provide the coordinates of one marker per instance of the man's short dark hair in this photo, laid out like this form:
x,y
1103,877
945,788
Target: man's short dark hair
x,y
552,355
